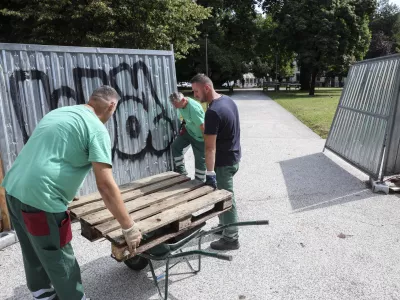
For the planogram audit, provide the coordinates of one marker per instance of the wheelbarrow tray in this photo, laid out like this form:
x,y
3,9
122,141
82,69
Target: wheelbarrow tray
x,y
164,206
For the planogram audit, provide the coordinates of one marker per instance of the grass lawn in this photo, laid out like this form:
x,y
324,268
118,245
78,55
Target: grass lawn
x,y
316,112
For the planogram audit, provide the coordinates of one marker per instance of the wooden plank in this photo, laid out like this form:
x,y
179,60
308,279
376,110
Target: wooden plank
x,y
121,253
89,233
5,217
182,210
181,224
186,221
92,233
223,205
128,196
107,227
168,216
137,184
145,201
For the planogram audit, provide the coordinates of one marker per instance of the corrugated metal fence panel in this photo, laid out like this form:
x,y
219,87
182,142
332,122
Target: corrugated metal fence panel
x,y
392,154
36,79
365,112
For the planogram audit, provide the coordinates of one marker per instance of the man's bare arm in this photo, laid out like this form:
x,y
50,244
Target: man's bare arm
x,y
210,142
111,194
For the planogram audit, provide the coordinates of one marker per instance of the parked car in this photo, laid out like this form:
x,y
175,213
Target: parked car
x,y
184,84
228,84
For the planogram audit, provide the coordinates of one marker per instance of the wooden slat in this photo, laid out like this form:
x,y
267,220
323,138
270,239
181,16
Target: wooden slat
x,y
139,203
128,196
182,223
168,216
92,233
89,233
5,217
107,227
121,253
125,188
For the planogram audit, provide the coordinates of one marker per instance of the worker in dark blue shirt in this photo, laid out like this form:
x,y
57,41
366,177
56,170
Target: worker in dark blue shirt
x,y
222,151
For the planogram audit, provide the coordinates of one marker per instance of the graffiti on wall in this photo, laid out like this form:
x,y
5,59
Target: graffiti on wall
x,y
132,124
35,79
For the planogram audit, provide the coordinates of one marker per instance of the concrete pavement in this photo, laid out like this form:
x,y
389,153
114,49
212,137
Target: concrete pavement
x,y
329,237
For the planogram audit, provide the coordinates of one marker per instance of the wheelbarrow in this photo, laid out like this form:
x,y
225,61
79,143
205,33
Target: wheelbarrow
x,y
173,249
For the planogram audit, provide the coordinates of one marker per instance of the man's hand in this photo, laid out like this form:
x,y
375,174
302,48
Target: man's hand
x,y
133,237
211,179
182,129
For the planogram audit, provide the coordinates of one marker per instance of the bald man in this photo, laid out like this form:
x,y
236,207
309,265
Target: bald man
x,y
66,144
191,134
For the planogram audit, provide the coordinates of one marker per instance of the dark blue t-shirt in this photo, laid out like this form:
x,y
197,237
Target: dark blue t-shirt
x,y
222,119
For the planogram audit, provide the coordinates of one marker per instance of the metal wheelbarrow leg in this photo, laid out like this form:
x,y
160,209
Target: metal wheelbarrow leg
x,y
176,252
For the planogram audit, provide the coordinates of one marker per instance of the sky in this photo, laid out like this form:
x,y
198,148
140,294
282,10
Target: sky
x,y
397,2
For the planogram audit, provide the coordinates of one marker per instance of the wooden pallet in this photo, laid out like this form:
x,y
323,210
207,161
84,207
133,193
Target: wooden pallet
x,y
169,203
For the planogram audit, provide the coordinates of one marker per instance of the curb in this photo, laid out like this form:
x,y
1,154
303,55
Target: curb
x,y
7,238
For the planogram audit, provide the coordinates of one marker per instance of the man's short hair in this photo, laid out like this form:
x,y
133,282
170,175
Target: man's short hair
x,y
202,78
104,92
176,97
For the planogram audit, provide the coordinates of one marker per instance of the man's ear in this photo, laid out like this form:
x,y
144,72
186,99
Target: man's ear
x,y
112,106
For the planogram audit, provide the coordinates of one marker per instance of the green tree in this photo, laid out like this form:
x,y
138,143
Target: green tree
x,y
139,24
385,29
325,35
272,58
231,42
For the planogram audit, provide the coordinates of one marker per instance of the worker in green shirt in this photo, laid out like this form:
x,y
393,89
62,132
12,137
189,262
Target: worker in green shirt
x,y
191,133
66,144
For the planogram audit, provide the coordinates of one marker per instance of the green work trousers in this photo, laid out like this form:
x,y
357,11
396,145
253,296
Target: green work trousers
x,y
225,182
180,143
51,269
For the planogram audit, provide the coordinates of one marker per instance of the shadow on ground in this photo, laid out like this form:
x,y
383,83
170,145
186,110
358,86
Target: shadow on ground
x,y
314,181
120,282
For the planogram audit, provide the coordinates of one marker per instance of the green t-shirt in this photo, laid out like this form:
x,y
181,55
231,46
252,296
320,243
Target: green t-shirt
x,y
57,157
193,114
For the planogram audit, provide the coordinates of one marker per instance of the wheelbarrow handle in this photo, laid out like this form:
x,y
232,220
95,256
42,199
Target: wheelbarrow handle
x,y
246,223
205,253
260,222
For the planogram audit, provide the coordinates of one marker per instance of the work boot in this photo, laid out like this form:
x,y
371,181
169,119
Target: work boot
x,y
223,244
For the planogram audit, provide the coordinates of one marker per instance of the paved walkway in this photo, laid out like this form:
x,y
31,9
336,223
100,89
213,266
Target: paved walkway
x,y
329,237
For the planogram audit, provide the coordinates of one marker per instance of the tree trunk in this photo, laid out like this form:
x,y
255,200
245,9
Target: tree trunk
x,y
333,81
340,81
312,86
305,76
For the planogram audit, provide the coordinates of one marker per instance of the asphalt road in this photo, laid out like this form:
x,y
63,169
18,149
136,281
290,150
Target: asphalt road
x,y
329,237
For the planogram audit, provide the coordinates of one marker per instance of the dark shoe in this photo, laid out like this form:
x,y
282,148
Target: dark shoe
x,y
223,244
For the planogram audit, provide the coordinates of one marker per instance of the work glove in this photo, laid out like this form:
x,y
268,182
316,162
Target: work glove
x,y
211,179
132,237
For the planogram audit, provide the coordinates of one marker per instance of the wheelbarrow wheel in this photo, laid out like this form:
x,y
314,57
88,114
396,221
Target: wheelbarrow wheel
x,y
136,263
